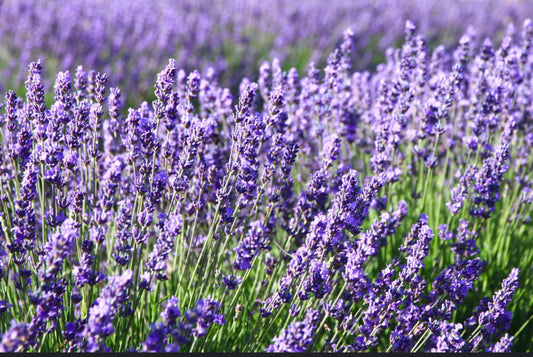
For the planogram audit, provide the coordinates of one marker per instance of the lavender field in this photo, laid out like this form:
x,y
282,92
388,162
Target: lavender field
x,y
254,176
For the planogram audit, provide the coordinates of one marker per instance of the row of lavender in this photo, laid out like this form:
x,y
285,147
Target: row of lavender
x,y
339,211
130,39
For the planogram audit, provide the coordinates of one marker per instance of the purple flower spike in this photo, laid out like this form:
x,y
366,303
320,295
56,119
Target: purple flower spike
x,y
297,337
171,312
492,314
101,314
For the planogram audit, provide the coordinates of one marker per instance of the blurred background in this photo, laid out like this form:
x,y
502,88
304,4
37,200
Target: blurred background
x,y
131,40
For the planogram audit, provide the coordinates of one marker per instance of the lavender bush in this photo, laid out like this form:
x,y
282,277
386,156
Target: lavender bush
x,y
331,210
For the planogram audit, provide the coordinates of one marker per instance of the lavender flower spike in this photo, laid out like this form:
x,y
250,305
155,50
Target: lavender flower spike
x,y
297,337
101,314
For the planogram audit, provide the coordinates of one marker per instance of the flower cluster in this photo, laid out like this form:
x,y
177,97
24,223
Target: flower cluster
x,y
334,210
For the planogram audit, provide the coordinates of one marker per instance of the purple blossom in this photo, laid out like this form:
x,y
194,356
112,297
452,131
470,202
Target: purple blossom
x,y
207,312
164,246
16,338
256,239
59,248
171,312
416,246
492,315
318,279
503,345
486,189
63,90
157,339
447,338
101,314
297,337
231,281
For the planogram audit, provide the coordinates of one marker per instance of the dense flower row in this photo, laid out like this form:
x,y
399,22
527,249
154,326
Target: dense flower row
x,y
340,212
129,39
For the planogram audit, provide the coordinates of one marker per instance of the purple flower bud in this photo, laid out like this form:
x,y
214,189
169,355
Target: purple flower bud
x,y
193,84
447,338
297,337
15,339
100,87
409,30
318,279
256,239
492,314
157,338
165,81
231,281
246,101
171,312
63,90
35,94
80,83
330,151
164,246
264,80
106,306
503,345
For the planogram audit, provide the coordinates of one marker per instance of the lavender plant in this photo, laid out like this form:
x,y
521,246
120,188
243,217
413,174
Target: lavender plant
x,y
329,211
